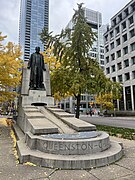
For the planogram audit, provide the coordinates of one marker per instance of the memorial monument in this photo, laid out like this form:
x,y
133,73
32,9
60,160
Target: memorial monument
x,y
50,137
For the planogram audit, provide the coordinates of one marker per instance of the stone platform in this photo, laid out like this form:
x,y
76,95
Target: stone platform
x,y
75,161
47,143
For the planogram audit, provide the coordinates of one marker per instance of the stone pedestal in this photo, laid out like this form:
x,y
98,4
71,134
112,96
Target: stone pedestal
x,y
37,96
28,97
26,80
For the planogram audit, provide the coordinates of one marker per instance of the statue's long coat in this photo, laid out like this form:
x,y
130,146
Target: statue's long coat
x,y
36,64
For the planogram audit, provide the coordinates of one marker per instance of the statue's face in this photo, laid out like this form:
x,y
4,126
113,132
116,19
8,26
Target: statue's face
x,y
37,49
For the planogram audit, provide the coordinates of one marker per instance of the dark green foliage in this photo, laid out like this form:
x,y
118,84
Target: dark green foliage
x,y
125,133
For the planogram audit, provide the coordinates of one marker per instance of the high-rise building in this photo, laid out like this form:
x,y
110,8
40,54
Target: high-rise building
x,y
94,19
120,54
34,15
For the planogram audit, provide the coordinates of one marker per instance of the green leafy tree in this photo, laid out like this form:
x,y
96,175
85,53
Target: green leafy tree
x,y
77,73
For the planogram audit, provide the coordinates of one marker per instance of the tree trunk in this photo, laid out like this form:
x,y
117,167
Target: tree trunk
x,y
78,106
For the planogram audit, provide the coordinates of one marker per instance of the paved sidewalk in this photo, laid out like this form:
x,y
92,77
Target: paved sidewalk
x,y
10,170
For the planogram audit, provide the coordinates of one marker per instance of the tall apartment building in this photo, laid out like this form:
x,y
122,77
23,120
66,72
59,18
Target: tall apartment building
x,y
34,15
94,19
120,54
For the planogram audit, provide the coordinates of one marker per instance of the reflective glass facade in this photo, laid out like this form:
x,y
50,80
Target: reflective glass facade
x,y
34,16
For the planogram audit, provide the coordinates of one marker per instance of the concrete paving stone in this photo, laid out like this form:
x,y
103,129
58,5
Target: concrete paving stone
x,y
130,152
130,177
110,172
72,175
128,163
126,143
24,172
7,159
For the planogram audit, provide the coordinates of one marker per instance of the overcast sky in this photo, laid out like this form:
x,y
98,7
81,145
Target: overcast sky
x,y
61,12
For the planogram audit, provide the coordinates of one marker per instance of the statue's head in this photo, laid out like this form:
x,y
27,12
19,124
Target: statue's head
x,y
37,49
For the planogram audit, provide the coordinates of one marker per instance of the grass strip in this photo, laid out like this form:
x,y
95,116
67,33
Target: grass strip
x,y
125,133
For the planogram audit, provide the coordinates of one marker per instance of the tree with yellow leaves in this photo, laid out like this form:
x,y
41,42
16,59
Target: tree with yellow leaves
x,y
111,92
53,64
10,64
105,100
51,60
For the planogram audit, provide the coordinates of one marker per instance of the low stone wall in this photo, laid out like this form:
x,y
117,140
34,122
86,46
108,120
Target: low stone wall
x,y
119,113
69,147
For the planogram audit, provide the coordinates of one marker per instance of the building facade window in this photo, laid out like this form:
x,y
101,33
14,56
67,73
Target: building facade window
x,y
112,45
83,98
119,66
108,70
133,7
102,50
125,50
118,53
124,25
102,62
120,17
117,30
107,59
113,68
120,78
126,63
114,22
112,57
111,34
133,74
114,79
127,76
124,37
106,38
132,33
118,42
132,46
101,56
67,105
126,12
133,60
106,48
131,20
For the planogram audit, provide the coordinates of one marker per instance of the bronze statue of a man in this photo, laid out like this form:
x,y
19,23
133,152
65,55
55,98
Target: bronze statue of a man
x,y
37,66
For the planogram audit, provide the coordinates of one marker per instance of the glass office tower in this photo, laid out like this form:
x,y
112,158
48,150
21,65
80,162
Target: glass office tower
x,y
34,15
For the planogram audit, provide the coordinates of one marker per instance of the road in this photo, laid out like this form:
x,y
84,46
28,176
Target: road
x,y
125,122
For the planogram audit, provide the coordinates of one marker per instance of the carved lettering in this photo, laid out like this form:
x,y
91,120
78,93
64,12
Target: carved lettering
x,y
85,146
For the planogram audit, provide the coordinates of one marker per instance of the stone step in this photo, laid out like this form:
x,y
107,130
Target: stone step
x,y
55,109
59,112
29,107
40,126
69,144
78,124
114,153
31,110
63,114
34,114
74,123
